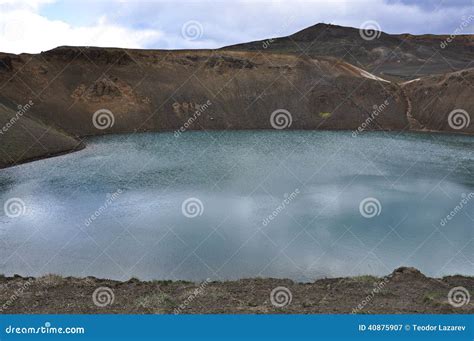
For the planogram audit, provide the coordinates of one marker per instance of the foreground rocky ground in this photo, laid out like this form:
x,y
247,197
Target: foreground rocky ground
x,y
406,290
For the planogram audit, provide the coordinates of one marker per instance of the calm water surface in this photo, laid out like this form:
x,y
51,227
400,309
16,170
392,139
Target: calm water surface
x,y
115,209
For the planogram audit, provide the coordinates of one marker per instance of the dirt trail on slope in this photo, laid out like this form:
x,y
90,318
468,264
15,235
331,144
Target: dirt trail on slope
x,y
412,121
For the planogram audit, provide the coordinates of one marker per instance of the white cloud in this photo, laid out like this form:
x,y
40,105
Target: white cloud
x,y
24,30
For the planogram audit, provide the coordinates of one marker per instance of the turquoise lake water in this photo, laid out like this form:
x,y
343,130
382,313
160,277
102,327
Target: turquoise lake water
x,y
229,205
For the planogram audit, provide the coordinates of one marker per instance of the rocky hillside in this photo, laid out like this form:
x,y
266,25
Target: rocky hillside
x,y
393,56
450,94
24,139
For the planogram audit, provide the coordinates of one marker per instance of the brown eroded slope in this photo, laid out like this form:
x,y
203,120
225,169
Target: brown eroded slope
x,y
435,97
23,139
161,90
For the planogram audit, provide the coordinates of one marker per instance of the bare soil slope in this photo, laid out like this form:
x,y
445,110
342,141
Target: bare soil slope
x,y
396,56
435,97
23,139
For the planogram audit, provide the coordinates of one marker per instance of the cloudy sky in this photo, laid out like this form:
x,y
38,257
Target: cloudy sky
x,y
38,25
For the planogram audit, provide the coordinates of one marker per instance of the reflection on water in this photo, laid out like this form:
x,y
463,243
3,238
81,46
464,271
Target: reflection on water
x,y
115,209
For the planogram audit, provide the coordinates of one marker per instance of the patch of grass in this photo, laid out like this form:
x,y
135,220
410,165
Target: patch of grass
x,y
51,280
431,298
325,114
365,279
155,301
